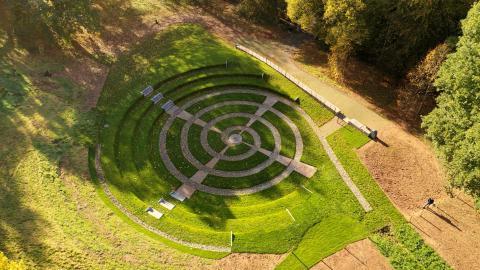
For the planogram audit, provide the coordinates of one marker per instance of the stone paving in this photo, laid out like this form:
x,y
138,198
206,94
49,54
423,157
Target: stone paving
x,y
230,138
195,182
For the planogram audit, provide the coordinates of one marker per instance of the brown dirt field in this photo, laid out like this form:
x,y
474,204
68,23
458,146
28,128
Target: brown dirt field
x,y
88,74
359,255
407,170
452,228
247,261
409,173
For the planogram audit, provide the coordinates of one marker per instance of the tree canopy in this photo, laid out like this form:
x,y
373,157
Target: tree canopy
x,y
392,34
454,126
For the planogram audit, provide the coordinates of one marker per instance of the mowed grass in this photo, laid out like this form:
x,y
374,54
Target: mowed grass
x,y
260,222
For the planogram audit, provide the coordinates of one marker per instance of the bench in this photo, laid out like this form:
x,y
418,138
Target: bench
x,y
166,204
169,104
147,91
157,98
154,213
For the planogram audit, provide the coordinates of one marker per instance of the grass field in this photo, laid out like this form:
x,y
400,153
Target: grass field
x,y
51,216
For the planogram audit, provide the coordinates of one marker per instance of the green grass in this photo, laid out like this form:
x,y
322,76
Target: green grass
x,y
51,216
406,250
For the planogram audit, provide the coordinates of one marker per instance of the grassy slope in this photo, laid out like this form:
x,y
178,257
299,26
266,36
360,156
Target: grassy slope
x,y
50,214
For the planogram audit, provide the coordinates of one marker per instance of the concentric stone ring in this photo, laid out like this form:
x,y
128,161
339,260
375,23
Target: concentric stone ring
x,y
232,136
196,163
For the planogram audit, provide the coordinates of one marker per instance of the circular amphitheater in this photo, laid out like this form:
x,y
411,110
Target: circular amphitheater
x,y
229,147
216,159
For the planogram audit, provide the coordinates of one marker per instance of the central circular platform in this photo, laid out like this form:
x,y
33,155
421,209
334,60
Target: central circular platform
x,y
235,139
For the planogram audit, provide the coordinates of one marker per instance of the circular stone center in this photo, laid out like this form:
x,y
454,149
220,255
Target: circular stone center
x,y
235,139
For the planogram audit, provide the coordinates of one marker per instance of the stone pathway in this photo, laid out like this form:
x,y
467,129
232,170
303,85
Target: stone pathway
x,y
292,164
330,127
346,178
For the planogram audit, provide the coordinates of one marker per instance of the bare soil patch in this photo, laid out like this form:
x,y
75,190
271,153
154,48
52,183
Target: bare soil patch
x,y
452,228
359,255
247,261
409,173
406,169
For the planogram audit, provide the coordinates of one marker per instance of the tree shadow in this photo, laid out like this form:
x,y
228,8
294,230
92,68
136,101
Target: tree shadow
x,y
38,114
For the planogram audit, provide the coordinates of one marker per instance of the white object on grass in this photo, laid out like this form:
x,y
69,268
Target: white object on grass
x,y
157,98
307,189
166,204
154,213
177,196
147,91
169,104
288,211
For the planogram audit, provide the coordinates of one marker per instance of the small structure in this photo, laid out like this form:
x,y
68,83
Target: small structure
x,y
177,196
372,134
147,91
169,104
157,98
154,213
166,204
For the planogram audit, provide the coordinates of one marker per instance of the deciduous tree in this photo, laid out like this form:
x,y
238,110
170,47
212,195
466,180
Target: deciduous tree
x,y
454,126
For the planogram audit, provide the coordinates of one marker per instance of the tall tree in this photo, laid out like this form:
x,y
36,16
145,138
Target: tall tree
x,y
403,31
266,11
454,126
345,29
309,15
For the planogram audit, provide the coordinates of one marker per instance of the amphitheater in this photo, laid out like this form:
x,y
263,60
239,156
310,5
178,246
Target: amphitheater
x,y
230,154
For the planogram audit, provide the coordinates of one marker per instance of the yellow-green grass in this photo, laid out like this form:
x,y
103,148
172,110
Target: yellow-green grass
x,y
260,222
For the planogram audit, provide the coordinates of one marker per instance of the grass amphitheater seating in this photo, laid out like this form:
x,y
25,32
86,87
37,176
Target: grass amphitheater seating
x,y
272,184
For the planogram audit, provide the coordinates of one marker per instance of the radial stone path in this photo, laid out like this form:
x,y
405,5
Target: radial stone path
x,y
232,136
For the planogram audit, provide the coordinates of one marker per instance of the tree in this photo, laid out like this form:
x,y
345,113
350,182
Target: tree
x,y
266,11
6,264
309,15
392,34
416,94
345,29
454,126
403,31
